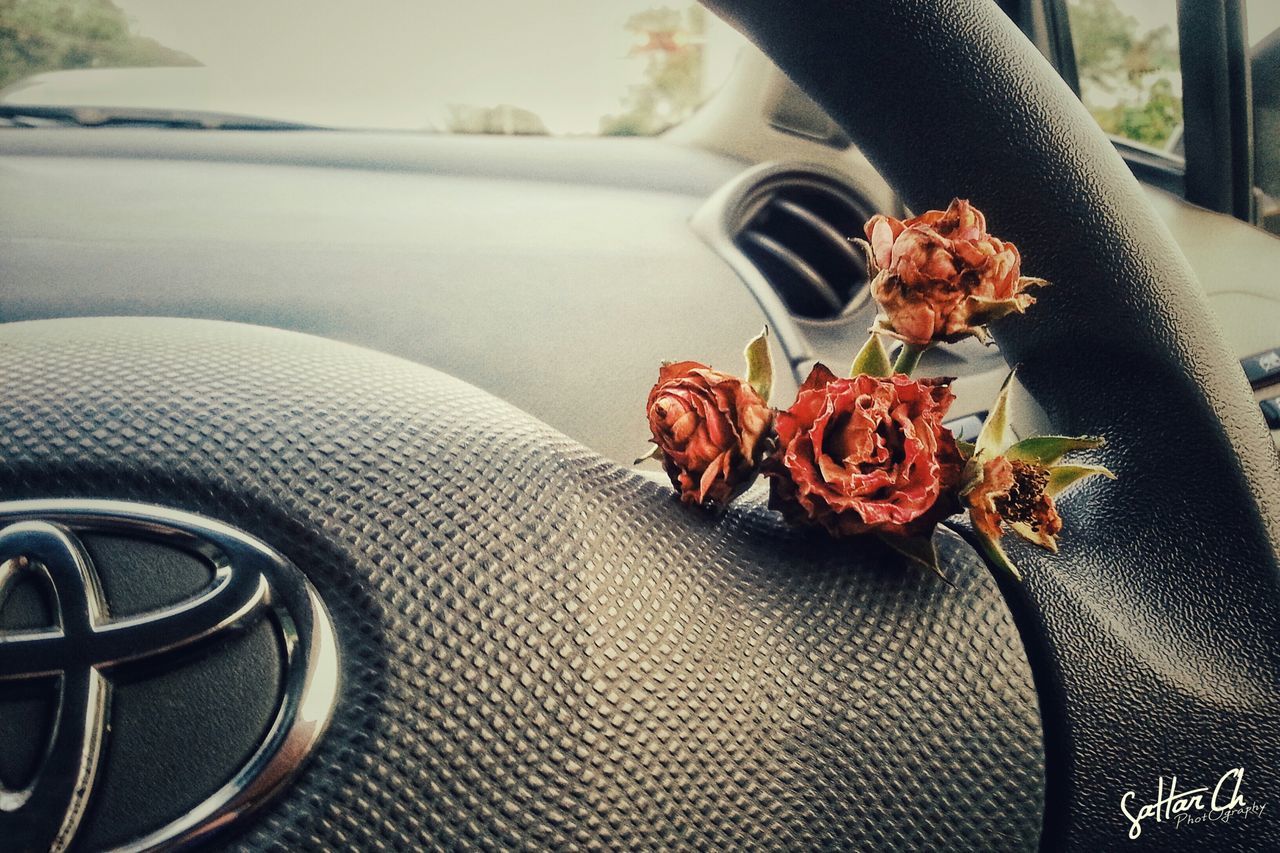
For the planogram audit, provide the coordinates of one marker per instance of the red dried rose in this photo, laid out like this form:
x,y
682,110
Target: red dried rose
x,y
710,428
941,277
866,455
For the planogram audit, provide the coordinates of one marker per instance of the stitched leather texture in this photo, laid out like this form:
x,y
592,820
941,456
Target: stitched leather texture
x,y
541,649
1155,634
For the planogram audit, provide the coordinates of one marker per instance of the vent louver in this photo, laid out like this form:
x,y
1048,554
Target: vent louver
x,y
797,234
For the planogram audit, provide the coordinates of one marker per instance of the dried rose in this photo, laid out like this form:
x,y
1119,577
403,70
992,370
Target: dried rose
x,y
1014,483
941,277
867,455
710,429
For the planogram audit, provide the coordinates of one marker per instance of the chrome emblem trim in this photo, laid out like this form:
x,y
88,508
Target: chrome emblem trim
x,y
251,581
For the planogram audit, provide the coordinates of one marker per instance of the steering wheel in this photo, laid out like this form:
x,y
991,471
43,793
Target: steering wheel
x,y
540,648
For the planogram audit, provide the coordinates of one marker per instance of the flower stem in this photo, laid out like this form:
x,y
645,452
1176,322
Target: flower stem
x,y
909,357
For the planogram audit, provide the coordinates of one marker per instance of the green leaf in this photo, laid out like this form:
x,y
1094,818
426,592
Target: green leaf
x,y
919,550
760,364
966,449
1062,476
996,435
1048,449
992,550
872,359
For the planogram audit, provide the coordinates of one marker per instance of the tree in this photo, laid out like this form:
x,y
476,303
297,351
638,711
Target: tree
x,y
1152,122
671,41
53,35
504,119
1126,76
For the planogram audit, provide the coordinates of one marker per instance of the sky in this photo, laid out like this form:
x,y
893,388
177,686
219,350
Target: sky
x,y
1262,16
399,63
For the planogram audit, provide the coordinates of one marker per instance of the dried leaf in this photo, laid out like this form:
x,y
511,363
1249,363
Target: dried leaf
x,y
996,435
917,549
1035,537
994,552
760,364
873,269
1063,476
654,453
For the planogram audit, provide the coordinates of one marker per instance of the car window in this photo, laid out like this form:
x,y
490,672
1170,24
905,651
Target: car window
x,y
1127,61
621,67
1263,22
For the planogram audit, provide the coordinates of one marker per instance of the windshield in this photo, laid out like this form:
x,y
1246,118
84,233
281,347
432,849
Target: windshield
x,y
611,67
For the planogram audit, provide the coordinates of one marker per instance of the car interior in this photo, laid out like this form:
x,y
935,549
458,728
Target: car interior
x,y
414,364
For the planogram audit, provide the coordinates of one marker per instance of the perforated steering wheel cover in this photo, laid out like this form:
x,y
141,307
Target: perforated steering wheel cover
x,y
539,648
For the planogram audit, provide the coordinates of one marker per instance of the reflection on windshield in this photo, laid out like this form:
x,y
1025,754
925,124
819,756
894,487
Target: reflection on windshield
x,y
618,67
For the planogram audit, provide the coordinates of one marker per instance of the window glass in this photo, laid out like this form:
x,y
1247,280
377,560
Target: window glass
x,y
1127,61
1263,21
618,67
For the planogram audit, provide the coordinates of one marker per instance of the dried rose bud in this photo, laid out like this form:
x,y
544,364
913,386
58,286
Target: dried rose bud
x,y
1013,493
1013,484
941,277
710,429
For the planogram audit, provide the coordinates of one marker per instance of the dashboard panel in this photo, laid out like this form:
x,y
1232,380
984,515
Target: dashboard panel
x,y
516,267
554,273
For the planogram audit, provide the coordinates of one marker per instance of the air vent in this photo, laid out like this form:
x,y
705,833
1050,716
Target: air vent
x,y
796,231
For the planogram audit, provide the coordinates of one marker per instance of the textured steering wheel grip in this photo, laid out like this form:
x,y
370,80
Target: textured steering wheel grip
x,y
1155,635
541,649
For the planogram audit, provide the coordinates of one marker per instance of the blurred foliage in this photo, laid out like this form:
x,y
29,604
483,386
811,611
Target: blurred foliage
x,y
504,120
1126,77
53,35
1152,122
671,41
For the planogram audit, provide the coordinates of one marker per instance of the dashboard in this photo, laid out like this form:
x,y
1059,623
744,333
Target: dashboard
x,y
555,273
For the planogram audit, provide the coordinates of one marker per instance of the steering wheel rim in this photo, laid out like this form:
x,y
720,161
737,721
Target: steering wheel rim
x,y
1154,635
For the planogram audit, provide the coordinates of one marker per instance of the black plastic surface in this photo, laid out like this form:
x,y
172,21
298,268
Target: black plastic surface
x,y
1262,368
178,736
541,649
